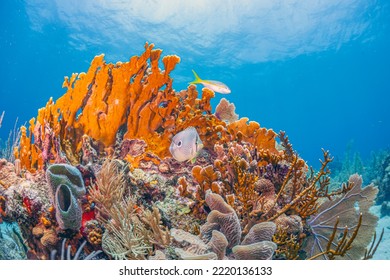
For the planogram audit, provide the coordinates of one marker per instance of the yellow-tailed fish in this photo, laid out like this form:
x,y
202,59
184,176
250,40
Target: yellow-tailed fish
x,y
186,145
213,85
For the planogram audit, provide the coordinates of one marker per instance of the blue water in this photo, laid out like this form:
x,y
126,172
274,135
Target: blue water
x,y
319,70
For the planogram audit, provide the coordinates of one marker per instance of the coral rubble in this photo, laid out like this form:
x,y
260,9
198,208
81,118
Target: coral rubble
x,y
94,170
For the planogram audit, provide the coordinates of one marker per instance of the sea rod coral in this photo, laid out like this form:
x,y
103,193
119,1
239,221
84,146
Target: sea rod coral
x,y
95,168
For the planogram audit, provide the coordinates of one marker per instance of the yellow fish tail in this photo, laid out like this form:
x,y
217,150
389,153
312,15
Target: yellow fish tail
x,y
197,80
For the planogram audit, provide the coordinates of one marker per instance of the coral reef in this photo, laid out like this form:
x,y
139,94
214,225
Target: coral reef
x,y
8,174
94,170
383,180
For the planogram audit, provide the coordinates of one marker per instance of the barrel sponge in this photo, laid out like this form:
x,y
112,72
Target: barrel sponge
x,y
65,174
68,209
66,186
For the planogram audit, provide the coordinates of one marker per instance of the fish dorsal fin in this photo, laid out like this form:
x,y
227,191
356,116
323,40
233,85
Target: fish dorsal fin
x,y
197,78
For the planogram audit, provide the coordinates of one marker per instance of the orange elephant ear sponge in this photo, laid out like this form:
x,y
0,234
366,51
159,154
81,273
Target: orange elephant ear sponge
x,y
106,99
112,103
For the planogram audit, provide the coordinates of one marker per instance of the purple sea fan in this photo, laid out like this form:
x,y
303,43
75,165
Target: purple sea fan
x,y
346,208
225,111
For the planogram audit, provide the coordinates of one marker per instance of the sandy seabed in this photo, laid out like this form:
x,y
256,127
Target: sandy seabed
x,y
383,251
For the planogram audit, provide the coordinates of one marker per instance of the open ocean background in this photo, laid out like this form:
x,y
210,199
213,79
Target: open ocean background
x,y
319,70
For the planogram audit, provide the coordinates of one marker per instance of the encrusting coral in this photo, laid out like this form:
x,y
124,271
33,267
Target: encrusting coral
x,y
112,185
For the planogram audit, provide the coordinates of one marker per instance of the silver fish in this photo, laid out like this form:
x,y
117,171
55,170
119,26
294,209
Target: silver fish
x,y
186,145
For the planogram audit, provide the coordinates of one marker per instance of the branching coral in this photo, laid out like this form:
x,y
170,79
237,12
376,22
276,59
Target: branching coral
x,y
289,245
160,236
131,231
125,236
303,194
132,100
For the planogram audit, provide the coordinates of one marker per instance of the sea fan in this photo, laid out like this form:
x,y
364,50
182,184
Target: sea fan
x,y
346,209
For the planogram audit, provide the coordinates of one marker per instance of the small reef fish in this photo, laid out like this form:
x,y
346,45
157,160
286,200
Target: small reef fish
x,y
186,145
213,85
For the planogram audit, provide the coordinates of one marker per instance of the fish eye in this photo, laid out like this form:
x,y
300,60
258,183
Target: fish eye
x,y
179,144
